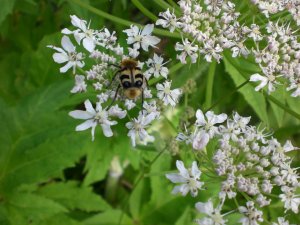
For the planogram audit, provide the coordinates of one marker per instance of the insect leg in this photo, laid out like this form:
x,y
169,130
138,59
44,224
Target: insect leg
x,y
111,64
142,100
114,99
114,77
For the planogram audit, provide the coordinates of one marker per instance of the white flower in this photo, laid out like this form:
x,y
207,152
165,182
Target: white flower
x,y
288,146
67,54
167,95
169,20
252,215
189,179
83,33
137,128
103,97
211,50
80,85
117,112
214,216
200,140
187,50
133,52
141,38
93,118
255,33
97,86
208,124
151,108
281,221
156,67
257,77
107,40
291,201
129,104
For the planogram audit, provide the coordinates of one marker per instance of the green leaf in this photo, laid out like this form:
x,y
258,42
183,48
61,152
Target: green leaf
x,y
138,198
99,156
185,218
110,217
25,208
72,196
279,112
58,219
37,139
159,182
6,8
254,99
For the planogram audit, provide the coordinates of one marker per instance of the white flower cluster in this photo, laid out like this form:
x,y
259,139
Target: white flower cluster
x,y
249,164
279,58
268,7
212,26
105,56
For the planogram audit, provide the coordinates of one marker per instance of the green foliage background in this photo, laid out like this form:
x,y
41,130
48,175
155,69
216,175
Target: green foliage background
x,y
49,174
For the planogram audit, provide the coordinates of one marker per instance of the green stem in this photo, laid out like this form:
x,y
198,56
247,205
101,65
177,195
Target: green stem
x,y
139,179
210,83
173,4
171,124
122,21
269,97
281,105
144,10
166,6
231,93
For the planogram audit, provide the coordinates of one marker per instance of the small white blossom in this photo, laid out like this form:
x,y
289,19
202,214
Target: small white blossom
x,y
137,128
262,79
281,221
117,112
83,33
169,20
291,201
213,215
252,216
141,38
67,54
80,85
189,179
210,121
129,104
156,67
93,117
187,49
167,95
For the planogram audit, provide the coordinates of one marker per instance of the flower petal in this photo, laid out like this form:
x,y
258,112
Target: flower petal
x,y
176,178
67,44
182,170
89,107
79,114
60,57
88,44
85,125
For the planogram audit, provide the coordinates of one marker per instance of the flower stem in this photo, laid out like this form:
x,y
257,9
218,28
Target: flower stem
x,y
231,93
165,6
210,83
122,21
144,10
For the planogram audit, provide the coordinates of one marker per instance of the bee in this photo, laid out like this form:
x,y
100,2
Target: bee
x,y
131,80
